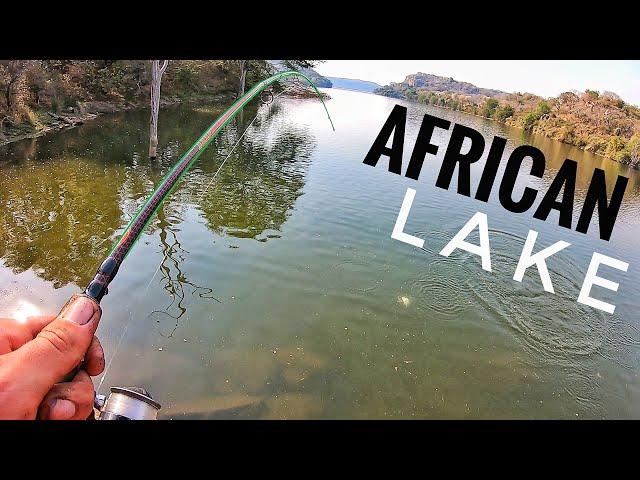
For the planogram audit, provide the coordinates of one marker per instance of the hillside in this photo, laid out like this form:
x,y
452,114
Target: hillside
x,y
353,84
416,82
319,80
601,123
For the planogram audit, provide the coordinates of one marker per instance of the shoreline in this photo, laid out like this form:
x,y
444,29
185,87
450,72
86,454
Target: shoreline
x,y
86,111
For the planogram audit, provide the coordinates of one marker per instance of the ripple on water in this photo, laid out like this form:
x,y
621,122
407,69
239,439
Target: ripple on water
x,y
437,283
560,330
354,271
354,277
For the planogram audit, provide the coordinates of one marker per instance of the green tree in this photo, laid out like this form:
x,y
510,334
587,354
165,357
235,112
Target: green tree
x,y
530,120
489,107
504,112
543,108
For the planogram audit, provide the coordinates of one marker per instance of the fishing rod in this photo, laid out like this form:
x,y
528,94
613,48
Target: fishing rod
x,y
132,402
107,271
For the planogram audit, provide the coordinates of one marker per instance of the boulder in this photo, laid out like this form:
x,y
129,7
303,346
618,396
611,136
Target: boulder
x,y
97,107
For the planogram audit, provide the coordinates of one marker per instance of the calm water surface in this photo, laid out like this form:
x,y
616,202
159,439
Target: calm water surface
x,y
277,292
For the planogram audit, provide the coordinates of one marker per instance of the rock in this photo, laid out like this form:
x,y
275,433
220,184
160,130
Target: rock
x,y
217,406
97,107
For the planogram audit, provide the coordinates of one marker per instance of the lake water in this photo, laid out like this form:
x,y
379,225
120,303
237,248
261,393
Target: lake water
x,y
277,292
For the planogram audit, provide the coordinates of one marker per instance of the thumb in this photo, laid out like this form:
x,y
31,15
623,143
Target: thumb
x,y
60,346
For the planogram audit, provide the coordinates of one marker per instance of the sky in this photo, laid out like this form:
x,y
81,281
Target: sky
x,y
542,77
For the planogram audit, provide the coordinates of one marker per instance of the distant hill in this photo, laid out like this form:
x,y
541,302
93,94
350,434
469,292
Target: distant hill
x,y
417,82
319,80
353,84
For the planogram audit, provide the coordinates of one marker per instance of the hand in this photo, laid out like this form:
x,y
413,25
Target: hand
x,y
35,355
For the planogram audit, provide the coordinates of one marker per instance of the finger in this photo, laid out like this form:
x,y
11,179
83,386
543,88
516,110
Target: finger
x,y
59,409
34,325
58,348
94,358
14,334
69,401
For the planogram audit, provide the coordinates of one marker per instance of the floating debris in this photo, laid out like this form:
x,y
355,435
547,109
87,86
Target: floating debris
x,y
404,301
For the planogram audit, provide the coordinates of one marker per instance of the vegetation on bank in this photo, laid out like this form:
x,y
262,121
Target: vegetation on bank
x,y
601,123
40,95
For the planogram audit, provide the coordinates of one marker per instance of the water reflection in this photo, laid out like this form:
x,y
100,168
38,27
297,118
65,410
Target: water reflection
x,y
54,215
260,183
68,196
173,280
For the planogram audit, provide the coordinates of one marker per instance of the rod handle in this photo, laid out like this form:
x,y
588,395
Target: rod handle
x,y
97,288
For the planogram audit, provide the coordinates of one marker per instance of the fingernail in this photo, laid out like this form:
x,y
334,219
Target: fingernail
x,y
80,311
61,409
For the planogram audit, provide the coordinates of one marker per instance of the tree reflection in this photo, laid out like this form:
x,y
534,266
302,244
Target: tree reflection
x,y
258,186
173,279
55,214
68,196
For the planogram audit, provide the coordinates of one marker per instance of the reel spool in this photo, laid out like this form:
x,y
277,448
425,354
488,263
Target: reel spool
x,y
127,403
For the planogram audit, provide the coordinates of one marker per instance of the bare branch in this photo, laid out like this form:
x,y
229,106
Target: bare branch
x,y
164,67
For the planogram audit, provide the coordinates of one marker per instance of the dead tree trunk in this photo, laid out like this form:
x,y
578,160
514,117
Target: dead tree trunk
x,y
243,76
156,80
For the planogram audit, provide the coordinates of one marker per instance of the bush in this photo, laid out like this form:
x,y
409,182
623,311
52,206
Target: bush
x,y
489,107
629,154
504,112
185,76
530,120
543,108
615,145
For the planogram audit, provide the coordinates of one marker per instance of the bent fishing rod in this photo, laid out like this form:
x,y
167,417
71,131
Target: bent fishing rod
x,y
133,402
107,271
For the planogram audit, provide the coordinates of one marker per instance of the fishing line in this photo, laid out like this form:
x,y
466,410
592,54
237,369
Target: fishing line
x,y
158,269
126,327
227,158
115,353
269,103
